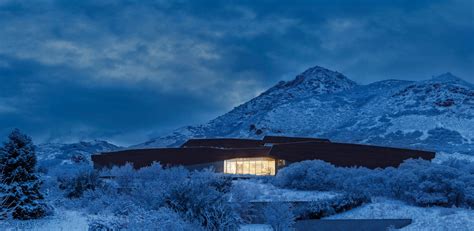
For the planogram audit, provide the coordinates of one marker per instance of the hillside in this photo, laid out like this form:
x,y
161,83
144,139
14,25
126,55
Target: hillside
x,y
53,154
435,114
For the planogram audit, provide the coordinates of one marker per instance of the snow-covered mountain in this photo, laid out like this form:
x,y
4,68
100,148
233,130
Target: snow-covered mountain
x,y
55,154
435,114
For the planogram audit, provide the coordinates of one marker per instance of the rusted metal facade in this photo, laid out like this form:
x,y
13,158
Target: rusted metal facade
x,y
199,152
347,155
287,139
223,143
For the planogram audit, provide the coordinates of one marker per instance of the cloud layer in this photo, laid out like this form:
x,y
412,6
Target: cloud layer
x,y
125,71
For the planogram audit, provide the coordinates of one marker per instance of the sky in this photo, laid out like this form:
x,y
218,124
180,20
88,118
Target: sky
x,y
128,71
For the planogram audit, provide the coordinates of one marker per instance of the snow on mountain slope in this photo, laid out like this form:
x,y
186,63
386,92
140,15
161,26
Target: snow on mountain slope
x,y
53,153
436,114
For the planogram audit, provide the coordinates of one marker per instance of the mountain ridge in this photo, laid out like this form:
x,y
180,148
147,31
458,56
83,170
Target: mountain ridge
x,y
321,102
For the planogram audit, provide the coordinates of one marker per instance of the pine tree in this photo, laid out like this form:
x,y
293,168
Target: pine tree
x,y
20,197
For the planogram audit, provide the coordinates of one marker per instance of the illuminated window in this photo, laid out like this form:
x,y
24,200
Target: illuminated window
x,y
254,166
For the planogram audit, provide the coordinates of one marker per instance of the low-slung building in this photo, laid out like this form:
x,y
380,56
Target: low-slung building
x,y
260,157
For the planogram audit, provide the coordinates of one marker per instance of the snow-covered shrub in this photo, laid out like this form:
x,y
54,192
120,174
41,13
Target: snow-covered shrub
x,y
140,219
309,175
155,184
313,210
162,219
462,165
75,185
107,200
202,198
124,176
20,195
279,215
319,209
419,182
106,224
429,184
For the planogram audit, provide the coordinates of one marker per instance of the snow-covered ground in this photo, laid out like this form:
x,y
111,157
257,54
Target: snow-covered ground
x,y
256,227
263,192
64,220
443,156
434,218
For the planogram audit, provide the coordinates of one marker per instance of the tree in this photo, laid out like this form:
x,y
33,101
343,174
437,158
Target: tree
x,y
19,185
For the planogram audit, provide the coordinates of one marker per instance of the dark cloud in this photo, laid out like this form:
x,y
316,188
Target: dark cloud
x,y
132,69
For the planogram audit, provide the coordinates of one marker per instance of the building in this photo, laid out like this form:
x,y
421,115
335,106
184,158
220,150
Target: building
x,y
260,157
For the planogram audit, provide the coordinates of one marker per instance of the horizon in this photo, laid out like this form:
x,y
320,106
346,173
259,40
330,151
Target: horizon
x,y
128,72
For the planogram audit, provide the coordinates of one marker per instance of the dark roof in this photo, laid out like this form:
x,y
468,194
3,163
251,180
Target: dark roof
x,y
174,156
347,155
223,143
287,139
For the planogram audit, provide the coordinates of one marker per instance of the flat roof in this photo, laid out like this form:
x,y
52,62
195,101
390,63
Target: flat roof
x,y
289,139
223,143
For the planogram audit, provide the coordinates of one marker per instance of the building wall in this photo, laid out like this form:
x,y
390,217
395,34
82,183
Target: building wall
x,y
218,166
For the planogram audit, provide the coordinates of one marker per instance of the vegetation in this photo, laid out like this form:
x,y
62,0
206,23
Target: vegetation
x,y
174,198
20,197
418,182
179,199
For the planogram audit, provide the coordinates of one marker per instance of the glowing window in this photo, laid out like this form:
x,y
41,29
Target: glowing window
x,y
254,166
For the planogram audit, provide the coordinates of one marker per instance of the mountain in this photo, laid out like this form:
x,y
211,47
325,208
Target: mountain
x,y
53,154
435,114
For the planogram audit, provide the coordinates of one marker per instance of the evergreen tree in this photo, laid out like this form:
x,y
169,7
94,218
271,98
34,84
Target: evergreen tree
x,y
19,185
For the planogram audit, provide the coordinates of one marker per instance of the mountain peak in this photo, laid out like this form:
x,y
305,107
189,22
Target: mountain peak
x,y
320,72
321,77
447,77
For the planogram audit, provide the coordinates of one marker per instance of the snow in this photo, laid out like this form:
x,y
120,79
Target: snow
x,y
443,156
264,192
423,123
256,227
324,103
62,220
433,218
55,154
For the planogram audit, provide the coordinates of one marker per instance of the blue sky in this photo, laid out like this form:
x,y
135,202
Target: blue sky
x,y
126,71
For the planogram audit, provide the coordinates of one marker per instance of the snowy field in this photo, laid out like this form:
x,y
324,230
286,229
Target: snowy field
x,y
434,218
63,220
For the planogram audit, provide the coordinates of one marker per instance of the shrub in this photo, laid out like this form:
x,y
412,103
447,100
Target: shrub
x,y
309,175
200,198
143,196
75,185
279,215
319,209
416,181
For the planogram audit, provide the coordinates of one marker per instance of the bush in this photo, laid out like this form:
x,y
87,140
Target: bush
x,y
75,185
279,215
141,219
310,175
418,182
202,198
319,209
149,195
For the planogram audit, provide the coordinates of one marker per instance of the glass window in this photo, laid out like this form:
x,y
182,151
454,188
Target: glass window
x,y
254,166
